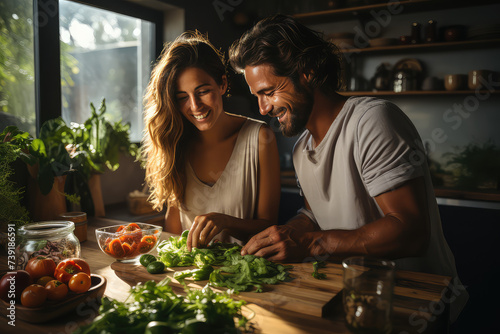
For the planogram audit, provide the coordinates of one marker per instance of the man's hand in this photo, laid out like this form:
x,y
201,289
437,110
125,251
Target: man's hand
x,y
205,228
278,243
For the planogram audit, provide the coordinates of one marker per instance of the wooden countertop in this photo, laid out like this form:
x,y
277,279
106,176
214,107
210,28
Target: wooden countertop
x,y
415,294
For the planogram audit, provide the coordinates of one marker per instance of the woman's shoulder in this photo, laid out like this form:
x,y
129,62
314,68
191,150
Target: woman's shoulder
x,y
246,123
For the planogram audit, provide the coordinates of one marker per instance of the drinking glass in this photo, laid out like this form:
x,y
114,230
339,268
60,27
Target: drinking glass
x,y
368,292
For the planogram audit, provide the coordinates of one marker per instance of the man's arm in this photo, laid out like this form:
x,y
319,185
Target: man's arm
x,y
403,231
282,240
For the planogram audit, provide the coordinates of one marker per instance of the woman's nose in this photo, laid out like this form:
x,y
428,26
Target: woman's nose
x,y
194,103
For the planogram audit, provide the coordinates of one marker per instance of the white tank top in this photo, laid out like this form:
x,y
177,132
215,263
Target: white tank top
x,y
235,192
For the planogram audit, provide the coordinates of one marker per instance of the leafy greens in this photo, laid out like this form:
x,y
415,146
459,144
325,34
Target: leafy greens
x,y
154,308
236,272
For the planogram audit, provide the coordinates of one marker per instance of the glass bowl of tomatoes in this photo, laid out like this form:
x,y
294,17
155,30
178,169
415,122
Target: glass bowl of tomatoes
x,y
127,243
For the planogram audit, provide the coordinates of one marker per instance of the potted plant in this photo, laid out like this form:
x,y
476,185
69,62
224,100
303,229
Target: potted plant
x,y
12,211
476,166
97,145
71,158
48,164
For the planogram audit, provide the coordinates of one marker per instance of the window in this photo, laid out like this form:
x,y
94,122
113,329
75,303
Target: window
x,y
17,85
104,55
74,54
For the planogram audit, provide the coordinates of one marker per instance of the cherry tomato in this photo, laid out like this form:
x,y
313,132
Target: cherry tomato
x,y
115,248
40,266
127,238
13,284
67,268
121,227
132,227
44,280
82,263
134,251
144,247
34,296
80,283
150,239
56,290
127,249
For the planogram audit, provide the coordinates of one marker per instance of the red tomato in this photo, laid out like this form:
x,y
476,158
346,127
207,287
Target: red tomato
x,y
115,248
127,249
56,290
127,238
150,239
132,227
144,247
66,269
134,251
33,296
40,266
13,284
82,263
80,283
44,280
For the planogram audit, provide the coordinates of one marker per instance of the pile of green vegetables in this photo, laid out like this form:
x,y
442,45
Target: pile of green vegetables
x,y
154,308
316,266
222,264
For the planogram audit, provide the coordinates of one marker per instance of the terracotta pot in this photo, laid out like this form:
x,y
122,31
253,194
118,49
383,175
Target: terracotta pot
x,y
50,206
96,192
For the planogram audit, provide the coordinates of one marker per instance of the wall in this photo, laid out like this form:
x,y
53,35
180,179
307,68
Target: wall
x,y
118,184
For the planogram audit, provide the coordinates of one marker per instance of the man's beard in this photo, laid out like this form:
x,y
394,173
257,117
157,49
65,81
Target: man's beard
x,y
298,115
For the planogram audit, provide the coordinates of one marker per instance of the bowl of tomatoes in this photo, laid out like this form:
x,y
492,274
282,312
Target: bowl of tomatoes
x,y
127,243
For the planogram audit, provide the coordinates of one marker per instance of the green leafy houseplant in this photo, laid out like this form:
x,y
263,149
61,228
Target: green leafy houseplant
x,y
11,209
77,150
45,159
476,166
98,143
46,155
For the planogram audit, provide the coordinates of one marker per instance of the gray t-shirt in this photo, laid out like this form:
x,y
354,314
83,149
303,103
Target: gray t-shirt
x,y
370,148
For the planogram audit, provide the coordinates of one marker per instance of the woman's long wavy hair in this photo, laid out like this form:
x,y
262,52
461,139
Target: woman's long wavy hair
x,y
167,130
291,49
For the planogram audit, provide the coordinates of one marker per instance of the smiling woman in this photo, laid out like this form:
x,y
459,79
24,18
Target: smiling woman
x,y
218,173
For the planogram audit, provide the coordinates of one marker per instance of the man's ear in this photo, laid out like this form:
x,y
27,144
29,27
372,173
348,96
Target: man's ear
x,y
306,77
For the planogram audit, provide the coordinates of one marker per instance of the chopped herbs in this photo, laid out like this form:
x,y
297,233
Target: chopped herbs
x,y
155,308
236,272
316,274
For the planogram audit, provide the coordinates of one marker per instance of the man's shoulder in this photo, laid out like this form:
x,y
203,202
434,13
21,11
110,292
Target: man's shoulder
x,y
301,141
360,105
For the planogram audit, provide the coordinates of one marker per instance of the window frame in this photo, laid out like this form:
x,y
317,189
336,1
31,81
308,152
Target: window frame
x,y
47,50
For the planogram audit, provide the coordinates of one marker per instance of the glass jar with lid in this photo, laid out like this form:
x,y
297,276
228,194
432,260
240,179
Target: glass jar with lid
x,y
53,239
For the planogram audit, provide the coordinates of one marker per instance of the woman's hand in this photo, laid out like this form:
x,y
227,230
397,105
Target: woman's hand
x,y
205,228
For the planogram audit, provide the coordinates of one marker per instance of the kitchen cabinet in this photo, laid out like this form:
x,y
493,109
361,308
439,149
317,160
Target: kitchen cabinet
x,y
430,110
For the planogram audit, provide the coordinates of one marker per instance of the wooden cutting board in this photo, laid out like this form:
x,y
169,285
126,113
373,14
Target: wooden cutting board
x,y
303,294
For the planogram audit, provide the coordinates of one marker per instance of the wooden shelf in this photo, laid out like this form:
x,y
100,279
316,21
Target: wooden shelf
x,y
356,12
417,92
362,12
425,47
470,195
